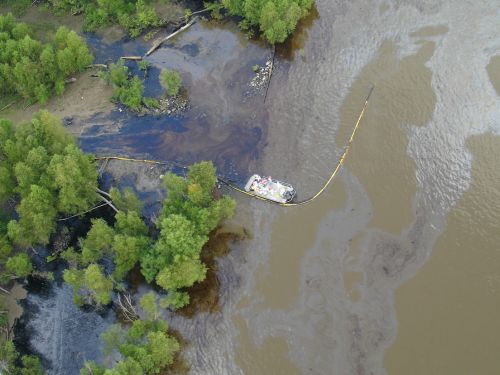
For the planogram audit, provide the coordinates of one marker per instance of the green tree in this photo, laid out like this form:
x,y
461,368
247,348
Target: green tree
x,y
31,366
125,200
36,218
149,305
99,286
190,212
181,274
171,81
97,242
42,165
34,70
145,347
90,285
92,368
9,360
127,91
74,176
19,265
276,19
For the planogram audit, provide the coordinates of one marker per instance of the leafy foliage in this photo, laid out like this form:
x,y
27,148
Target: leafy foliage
x,y
91,285
12,363
145,347
189,214
133,15
276,19
125,200
124,243
42,165
34,70
42,169
127,91
171,81
19,265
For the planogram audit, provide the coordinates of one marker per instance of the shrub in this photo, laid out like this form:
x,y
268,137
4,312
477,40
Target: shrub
x,y
171,81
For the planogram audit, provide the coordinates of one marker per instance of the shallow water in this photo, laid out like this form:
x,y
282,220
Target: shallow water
x,y
222,123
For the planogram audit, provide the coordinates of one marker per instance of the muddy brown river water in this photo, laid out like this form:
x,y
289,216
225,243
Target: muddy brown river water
x,y
338,287
395,269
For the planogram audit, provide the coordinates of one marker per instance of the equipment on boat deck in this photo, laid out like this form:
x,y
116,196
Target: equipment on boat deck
x,y
268,188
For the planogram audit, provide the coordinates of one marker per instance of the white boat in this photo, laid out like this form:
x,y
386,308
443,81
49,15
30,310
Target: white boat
x,y
268,188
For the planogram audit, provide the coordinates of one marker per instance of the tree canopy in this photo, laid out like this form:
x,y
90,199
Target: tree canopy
x,y
276,19
126,90
46,174
190,212
34,70
41,166
133,15
144,348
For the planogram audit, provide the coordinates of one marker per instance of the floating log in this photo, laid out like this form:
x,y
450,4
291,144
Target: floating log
x,y
96,66
158,43
134,58
200,11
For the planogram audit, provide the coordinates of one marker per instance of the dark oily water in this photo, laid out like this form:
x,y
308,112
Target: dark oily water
x,y
224,123
52,326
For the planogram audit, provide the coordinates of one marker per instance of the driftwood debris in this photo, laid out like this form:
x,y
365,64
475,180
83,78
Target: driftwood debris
x,y
4,290
7,106
108,202
70,80
104,66
127,308
270,72
201,11
134,58
158,43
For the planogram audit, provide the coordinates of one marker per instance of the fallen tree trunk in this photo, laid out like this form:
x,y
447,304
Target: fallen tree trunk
x,y
127,308
96,66
158,43
108,202
8,105
134,58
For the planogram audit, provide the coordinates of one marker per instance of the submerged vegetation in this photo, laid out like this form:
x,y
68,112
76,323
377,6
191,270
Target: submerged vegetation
x,y
33,70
